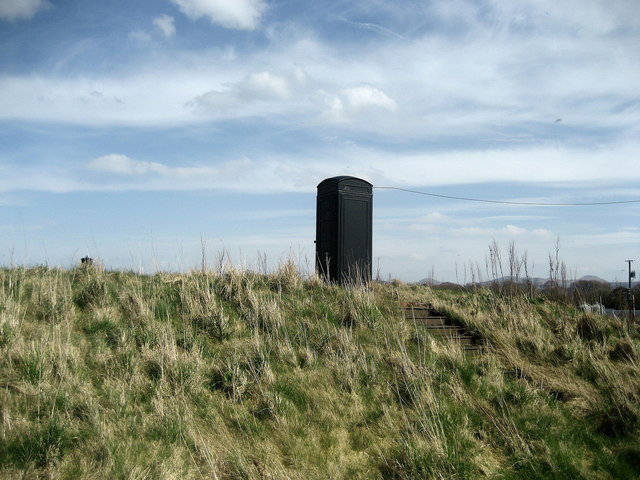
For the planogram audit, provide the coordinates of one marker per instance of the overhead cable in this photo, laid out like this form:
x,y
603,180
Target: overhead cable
x,y
505,202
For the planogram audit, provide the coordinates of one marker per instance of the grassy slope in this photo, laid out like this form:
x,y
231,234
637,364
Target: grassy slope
x,y
238,375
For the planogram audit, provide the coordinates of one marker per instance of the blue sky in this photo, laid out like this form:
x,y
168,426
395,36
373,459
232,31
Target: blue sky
x,y
137,132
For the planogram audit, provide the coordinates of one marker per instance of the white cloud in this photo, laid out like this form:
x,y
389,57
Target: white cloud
x,y
261,87
236,14
265,85
354,101
20,9
166,25
364,97
123,165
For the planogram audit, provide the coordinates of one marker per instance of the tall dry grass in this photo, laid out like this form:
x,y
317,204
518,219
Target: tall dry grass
x,y
231,374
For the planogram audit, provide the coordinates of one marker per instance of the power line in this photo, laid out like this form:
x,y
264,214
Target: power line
x,y
504,202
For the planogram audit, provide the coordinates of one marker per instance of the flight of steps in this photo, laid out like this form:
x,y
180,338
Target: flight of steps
x,y
423,315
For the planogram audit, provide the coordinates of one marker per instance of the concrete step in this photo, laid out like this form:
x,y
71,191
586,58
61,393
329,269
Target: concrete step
x,y
445,330
464,340
439,325
430,321
421,313
472,350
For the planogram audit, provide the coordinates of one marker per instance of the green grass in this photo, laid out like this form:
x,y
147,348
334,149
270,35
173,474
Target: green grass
x,y
234,374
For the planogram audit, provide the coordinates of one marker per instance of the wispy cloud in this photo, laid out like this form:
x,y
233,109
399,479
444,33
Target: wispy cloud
x,y
628,236
236,14
489,82
140,37
21,9
122,165
508,231
165,23
13,201
237,175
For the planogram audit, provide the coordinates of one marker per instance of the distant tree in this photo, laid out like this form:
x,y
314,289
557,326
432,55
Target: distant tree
x,y
617,298
450,286
635,294
590,291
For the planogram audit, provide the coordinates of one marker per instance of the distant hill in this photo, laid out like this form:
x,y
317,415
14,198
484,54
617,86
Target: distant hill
x,y
592,278
536,281
539,281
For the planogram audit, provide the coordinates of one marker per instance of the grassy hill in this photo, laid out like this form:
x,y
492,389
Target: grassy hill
x,y
230,374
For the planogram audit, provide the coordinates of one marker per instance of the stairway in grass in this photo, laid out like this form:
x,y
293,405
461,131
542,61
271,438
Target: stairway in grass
x,y
423,315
